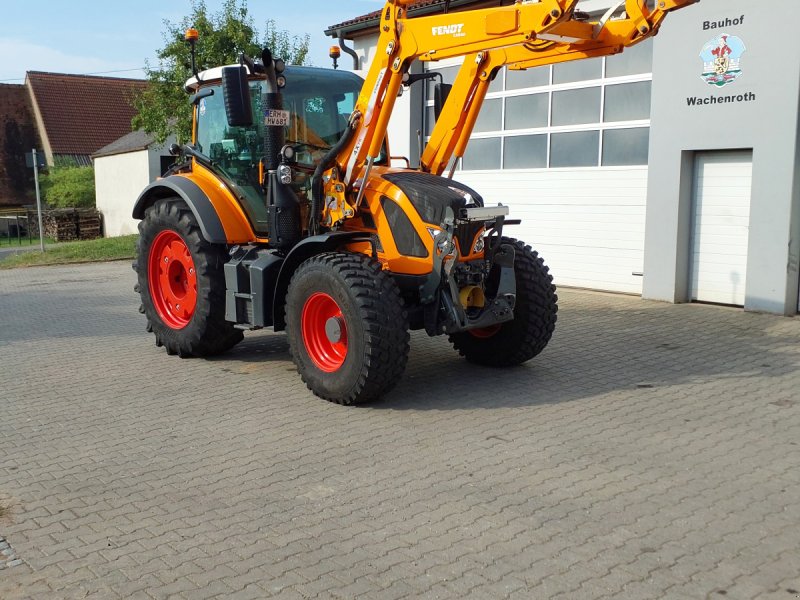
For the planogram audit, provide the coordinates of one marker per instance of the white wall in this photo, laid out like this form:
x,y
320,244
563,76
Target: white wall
x,y
588,224
119,179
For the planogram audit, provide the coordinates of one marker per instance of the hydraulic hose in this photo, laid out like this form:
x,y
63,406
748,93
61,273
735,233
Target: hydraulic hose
x,y
317,191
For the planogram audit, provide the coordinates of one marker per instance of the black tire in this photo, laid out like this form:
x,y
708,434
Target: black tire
x,y
206,332
375,327
535,310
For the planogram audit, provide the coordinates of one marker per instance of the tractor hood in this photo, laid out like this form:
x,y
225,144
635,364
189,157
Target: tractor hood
x,y
431,194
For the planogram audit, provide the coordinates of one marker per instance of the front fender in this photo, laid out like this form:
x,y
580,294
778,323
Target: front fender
x,y
195,198
309,247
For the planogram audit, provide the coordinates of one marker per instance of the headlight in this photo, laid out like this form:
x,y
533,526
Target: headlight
x,y
285,174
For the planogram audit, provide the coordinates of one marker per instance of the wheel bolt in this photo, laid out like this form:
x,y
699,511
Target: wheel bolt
x,y
166,259
191,271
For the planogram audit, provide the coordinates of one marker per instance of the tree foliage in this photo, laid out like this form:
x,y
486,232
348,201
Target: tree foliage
x,y
69,186
163,108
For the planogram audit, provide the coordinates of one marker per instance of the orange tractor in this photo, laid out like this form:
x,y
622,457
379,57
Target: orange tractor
x,y
286,213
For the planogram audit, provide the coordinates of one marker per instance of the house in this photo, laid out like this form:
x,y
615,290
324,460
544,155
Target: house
x,y
122,169
78,114
18,136
642,173
67,117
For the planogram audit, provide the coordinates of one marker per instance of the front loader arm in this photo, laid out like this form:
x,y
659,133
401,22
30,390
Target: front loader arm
x,y
403,40
567,41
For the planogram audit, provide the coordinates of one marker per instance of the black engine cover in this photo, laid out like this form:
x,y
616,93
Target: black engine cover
x,y
431,194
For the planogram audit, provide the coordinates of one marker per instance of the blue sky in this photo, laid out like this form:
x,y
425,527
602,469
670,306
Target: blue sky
x,y
91,36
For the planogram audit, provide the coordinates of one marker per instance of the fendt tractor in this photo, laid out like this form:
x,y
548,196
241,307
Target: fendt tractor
x,y
285,211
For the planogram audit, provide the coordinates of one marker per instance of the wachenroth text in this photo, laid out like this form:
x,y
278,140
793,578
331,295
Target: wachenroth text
x,y
697,101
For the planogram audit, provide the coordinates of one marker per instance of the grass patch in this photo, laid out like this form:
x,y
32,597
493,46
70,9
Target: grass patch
x,y
99,250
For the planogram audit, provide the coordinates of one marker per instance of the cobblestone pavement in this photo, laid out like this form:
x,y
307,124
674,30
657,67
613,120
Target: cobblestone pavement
x,y
650,452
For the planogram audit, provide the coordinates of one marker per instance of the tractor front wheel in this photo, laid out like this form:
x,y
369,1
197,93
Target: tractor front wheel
x,y
181,282
514,342
347,327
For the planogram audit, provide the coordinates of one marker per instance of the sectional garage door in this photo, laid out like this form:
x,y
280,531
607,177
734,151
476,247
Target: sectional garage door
x,y
721,216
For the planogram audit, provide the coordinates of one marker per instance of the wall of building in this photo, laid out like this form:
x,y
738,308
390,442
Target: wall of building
x,y
119,179
757,111
566,149
17,138
587,224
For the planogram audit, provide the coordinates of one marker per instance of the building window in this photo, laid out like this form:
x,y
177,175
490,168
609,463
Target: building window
x,y
636,60
625,146
490,117
574,149
482,155
588,113
576,107
627,102
581,70
525,152
517,80
527,112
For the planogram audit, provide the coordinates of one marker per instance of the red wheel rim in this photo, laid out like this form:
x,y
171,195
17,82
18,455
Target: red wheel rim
x,y
172,279
485,332
324,332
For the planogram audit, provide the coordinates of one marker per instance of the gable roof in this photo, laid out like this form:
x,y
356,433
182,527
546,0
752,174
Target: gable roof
x,y
81,113
130,142
370,20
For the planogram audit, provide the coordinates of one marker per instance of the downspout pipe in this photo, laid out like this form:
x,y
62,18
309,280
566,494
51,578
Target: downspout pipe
x,y
348,50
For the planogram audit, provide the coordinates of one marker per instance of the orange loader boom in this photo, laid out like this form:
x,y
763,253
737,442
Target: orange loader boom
x,y
500,35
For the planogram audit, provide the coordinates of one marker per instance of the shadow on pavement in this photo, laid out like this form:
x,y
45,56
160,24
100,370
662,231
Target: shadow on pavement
x,y
602,343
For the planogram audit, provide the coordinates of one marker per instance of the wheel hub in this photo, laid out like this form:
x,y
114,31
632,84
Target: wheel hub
x,y
324,332
333,329
172,279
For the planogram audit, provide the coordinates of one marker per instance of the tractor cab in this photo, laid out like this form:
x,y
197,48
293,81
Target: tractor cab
x,y
319,103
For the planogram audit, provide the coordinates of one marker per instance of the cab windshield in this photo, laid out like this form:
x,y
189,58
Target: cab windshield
x,y
319,101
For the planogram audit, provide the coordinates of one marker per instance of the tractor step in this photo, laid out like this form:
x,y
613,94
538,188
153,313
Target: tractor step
x,y
250,277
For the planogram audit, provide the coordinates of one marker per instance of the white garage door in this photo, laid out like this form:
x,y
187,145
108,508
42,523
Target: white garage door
x,y
721,225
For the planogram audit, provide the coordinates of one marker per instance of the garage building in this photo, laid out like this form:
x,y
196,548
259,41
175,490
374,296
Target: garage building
x,y
648,172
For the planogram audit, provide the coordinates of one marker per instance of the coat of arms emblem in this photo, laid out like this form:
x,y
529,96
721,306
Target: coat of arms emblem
x,y
722,59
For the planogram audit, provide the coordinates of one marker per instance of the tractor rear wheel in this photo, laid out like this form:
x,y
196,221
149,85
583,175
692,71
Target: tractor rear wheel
x,y
347,327
514,342
181,282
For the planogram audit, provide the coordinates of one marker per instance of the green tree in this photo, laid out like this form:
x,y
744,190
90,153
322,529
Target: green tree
x,y
69,186
163,108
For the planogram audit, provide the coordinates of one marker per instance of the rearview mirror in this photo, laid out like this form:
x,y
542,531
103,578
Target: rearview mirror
x,y
440,93
236,92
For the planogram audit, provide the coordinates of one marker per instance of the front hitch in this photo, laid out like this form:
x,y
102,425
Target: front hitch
x,y
498,309
439,294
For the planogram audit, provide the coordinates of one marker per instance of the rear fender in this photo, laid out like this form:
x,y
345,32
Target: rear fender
x,y
309,247
195,198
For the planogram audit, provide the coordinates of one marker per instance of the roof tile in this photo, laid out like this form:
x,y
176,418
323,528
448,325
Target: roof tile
x,y
83,113
375,14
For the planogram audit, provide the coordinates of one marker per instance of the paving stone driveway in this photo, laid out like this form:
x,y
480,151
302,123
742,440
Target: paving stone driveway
x,y
650,452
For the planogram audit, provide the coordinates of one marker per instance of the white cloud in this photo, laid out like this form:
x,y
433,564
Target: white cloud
x,y
20,56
